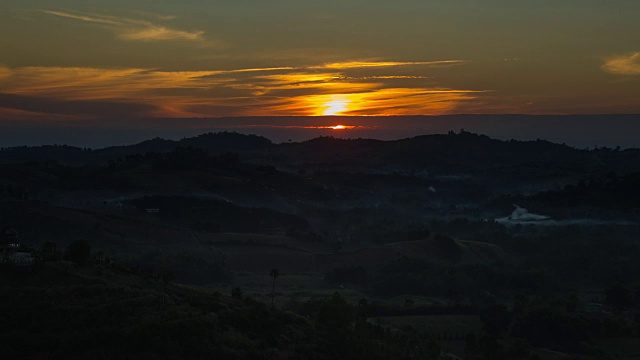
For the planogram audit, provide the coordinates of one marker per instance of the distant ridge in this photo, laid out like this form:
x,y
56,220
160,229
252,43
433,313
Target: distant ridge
x,y
455,151
462,151
211,142
581,131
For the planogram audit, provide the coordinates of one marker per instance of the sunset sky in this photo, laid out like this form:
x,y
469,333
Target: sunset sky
x,y
78,61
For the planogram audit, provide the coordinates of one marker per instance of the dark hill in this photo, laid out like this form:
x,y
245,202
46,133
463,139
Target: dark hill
x,y
454,152
115,311
462,152
213,143
227,142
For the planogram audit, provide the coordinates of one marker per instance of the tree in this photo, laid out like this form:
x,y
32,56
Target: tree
x,y
79,252
335,313
274,274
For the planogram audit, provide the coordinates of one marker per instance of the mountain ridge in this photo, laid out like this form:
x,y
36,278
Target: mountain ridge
x,y
418,150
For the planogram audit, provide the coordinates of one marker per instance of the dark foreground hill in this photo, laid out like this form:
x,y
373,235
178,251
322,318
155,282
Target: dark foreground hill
x,y
61,311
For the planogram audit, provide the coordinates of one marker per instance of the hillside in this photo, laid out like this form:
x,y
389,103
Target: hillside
x,y
111,311
357,229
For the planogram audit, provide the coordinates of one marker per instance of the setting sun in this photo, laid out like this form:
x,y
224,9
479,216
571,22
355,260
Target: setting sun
x,y
341,127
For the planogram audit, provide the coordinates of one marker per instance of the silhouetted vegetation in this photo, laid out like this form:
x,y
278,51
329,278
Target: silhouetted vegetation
x,y
79,252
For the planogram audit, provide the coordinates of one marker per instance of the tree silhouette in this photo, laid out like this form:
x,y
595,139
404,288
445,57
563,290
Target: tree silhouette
x,y
274,274
79,252
165,277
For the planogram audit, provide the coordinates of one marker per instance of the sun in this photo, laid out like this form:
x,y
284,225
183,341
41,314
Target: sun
x,y
341,127
335,107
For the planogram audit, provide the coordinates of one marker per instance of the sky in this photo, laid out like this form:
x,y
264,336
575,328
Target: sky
x,y
95,63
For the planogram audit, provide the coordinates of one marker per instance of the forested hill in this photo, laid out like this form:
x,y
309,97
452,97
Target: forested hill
x,y
462,151
213,143
117,311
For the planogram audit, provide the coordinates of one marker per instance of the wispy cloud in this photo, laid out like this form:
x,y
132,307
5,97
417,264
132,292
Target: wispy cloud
x,y
394,77
162,17
131,29
81,17
628,64
380,64
382,101
260,69
303,90
158,33
91,83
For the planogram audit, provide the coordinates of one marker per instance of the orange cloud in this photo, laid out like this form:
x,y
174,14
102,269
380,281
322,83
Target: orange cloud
x,y
623,64
247,91
384,101
370,64
301,78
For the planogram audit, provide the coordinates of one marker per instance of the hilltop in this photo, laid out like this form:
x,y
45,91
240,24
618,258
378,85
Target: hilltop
x,y
453,151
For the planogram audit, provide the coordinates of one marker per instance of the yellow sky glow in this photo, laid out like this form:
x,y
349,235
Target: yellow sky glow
x,y
336,106
283,90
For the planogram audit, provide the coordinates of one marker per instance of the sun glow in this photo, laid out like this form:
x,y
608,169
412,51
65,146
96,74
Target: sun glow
x,y
141,92
335,107
338,127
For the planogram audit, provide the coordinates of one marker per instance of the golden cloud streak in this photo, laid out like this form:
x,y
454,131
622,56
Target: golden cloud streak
x,y
386,101
299,78
91,83
623,64
248,91
259,69
370,64
386,77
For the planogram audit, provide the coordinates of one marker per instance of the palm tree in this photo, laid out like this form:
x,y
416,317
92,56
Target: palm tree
x,y
274,274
